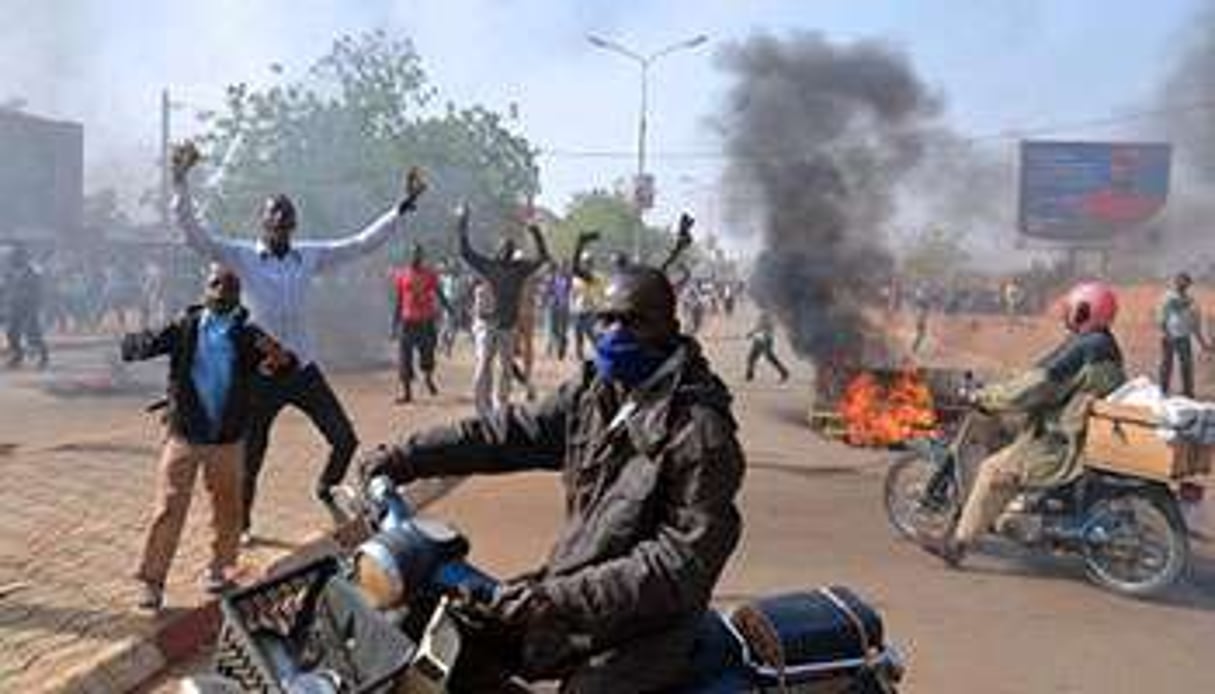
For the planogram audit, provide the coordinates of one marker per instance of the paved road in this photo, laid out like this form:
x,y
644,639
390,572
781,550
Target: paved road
x,y
812,510
813,517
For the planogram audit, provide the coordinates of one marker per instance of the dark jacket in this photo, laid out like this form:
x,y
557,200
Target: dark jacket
x,y
22,292
186,417
651,518
507,278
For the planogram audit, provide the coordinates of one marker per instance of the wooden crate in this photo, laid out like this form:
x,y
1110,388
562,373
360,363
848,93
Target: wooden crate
x,y
1122,438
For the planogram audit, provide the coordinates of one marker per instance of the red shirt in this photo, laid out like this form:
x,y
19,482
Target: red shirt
x,y
417,293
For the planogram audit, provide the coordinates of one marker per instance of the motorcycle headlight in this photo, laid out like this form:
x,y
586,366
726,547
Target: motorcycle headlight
x,y
377,574
398,562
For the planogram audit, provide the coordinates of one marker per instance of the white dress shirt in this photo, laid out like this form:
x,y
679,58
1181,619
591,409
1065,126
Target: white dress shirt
x,y
274,289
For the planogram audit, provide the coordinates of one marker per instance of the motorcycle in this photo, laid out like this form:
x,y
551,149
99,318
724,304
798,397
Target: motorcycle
x,y
1128,530
394,616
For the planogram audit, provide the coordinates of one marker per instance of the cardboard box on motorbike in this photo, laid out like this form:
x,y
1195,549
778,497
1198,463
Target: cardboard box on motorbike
x,y
1124,438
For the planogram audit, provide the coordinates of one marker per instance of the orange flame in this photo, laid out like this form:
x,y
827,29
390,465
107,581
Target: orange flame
x,y
879,415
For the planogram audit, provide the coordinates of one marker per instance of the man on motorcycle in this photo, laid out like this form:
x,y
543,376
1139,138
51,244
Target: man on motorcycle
x,y
646,444
1054,396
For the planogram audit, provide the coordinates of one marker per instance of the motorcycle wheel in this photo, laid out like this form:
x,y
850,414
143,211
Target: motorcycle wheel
x,y
911,513
1136,542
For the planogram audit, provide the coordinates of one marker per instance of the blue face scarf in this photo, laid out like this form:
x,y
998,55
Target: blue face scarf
x,y
620,357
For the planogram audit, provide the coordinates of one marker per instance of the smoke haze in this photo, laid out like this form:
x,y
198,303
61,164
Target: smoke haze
x,y
823,133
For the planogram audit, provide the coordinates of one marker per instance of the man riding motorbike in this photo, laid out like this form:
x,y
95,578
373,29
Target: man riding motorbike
x,y
1054,396
646,444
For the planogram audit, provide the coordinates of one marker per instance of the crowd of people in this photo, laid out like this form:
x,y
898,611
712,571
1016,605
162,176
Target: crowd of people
x,y
247,350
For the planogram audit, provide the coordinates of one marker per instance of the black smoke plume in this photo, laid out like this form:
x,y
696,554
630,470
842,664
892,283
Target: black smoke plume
x,y
819,136
1186,101
1188,97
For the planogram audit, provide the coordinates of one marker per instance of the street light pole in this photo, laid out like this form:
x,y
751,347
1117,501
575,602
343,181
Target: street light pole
x,y
641,128
644,62
165,190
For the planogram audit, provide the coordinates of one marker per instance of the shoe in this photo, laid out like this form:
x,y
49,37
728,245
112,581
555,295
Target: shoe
x,y
948,549
151,597
215,582
430,385
324,494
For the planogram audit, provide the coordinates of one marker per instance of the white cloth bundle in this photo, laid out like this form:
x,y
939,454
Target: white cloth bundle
x,y
1180,418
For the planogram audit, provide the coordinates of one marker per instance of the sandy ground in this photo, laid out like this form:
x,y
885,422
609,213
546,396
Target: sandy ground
x,y
812,511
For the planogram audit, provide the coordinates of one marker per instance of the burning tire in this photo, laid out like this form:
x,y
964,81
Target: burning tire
x,y
920,496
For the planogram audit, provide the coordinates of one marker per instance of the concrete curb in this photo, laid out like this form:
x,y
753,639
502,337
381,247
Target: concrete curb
x,y
136,661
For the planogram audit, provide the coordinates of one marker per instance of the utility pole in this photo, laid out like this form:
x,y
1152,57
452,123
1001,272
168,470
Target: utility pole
x,y
165,191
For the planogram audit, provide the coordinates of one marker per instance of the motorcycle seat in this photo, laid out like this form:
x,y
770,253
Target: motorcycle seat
x,y
808,634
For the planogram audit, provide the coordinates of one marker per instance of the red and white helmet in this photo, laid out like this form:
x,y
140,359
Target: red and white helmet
x,y
1089,306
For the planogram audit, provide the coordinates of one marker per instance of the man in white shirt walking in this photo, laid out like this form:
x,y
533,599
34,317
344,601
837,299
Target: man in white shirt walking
x,y
276,275
1180,321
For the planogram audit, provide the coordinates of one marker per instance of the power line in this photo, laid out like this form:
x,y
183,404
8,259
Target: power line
x,y
1010,133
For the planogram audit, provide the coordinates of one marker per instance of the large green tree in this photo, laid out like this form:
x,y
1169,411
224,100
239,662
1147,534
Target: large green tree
x,y
339,139
617,222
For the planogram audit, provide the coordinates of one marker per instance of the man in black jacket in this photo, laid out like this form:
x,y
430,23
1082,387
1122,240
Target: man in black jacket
x,y
213,354
505,276
646,445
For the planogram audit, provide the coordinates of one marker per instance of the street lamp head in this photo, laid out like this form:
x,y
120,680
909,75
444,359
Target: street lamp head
x,y
596,41
694,42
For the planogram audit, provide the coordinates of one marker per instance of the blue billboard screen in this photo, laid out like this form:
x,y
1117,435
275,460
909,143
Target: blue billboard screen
x,y
1090,191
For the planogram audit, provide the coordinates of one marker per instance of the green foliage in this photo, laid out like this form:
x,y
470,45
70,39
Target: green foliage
x,y
617,222
340,140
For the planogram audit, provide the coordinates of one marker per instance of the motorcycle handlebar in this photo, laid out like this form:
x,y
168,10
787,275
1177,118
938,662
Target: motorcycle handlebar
x,y
384,494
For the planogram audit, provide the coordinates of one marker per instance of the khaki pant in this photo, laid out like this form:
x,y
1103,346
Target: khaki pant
x,y
999,481
222,471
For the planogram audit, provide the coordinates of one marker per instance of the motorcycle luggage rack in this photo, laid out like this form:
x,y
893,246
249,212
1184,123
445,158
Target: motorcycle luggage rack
x,y
304,610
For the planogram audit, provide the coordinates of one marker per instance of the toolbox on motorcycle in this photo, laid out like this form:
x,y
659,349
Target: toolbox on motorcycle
x,y
797,636
308,623
1122,438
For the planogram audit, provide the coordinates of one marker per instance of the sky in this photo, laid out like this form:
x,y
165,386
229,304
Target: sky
x,y
1000,65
